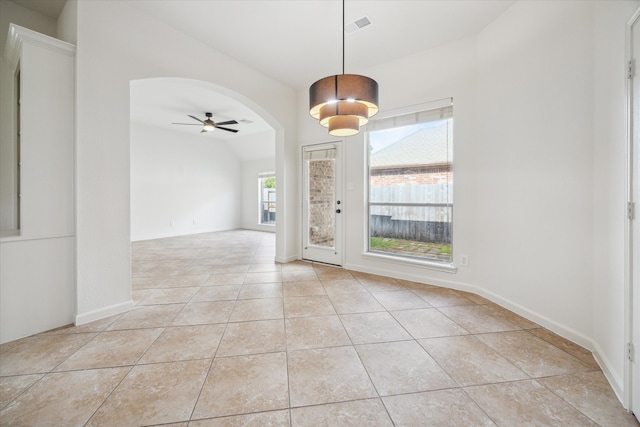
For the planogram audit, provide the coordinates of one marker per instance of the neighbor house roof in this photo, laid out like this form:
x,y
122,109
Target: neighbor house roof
x,y
425,147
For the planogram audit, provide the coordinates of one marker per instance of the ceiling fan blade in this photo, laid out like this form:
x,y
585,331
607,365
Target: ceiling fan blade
x,y
188,124
195,118
229,122
227,129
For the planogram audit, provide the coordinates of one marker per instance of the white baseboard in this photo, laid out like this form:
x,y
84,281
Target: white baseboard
x,y
102,313
614,380
284,260
562,330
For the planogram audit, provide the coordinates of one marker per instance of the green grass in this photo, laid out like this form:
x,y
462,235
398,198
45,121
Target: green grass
x,y
410,247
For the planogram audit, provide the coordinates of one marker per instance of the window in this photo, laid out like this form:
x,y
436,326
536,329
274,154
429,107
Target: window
x,y
267,199
410,185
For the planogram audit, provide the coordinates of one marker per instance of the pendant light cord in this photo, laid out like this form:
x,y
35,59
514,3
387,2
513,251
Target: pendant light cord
x,y
343,36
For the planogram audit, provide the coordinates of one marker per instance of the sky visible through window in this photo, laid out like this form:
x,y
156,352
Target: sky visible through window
x,y
382,138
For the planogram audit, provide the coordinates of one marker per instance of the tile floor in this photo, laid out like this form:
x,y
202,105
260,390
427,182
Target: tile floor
x,y
222,336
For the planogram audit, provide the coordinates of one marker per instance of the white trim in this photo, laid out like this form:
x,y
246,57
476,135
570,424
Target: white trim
x,y
625,392
285,260
18,35
608,371
25,238
431,265
416,108
102,313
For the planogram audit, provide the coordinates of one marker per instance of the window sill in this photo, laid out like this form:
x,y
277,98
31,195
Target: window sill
x,y
438,266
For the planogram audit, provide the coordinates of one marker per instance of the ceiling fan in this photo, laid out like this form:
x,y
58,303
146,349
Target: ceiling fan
x,y
209,125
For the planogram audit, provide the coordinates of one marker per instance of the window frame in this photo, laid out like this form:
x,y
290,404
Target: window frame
x,y
440,265
261,178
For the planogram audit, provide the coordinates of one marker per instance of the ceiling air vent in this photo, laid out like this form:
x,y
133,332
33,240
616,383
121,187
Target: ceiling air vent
x,y
356,25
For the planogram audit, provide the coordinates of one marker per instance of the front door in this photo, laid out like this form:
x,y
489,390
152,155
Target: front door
x,y
322,210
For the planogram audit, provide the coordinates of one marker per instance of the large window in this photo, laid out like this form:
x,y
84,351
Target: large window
x,y
410,185
267,199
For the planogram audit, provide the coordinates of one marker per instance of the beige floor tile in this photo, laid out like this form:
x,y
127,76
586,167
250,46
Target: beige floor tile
x,y
525,403
342,286
257,309
262,268
573,349
591,394
184,343
154,394
362,302
112,348
365,328
299,275
40,353
319,305
168,295
477,319
260,419
534,356
402,367
381,284
244,384
400,300
261,290
331,273
470,361
264,259
63,398
12,387
296,266
206,312
427,323
263,277
237,260
225,279
512,317
369,412
315,332
147,316
303,289
232,269
261,336
436,408
168,281
441,297
97,326
327,375
217,293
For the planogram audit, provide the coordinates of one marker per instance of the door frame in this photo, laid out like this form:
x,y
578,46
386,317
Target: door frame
x,y
340,190
630,365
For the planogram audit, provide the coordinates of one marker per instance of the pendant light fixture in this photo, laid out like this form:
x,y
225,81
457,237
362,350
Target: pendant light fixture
x,y
343,102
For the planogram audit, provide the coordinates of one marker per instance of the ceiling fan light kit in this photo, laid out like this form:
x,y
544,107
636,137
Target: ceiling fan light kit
x,y
343,102
209,125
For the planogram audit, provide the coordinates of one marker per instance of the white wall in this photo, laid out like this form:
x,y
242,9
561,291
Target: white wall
x,y
250,172
609,201
182,184
118,44
538,186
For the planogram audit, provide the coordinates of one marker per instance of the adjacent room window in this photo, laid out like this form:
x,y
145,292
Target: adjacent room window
x,y
267,198
410,185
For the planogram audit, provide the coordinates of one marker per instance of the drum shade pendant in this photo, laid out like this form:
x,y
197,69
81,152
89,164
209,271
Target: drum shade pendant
x,y
343,102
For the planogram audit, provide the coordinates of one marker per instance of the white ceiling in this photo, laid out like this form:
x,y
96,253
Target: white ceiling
x,y
299,41
294,41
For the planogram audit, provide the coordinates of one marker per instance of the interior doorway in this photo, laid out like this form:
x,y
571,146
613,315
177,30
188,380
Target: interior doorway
x,y
322,203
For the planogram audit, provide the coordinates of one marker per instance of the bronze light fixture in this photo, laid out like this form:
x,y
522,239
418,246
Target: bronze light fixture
x,y
343,102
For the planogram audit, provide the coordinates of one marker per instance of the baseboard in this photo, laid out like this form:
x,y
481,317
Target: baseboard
x,y
614,380
284,260
166,235
102,313
562,330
